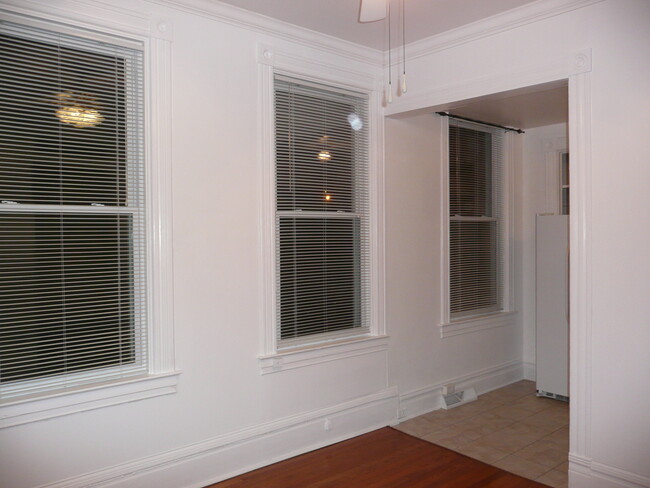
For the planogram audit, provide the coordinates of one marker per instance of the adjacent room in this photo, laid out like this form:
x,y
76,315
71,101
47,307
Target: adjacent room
x,y
236,232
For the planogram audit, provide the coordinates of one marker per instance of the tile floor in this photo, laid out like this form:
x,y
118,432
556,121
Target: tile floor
x,y
510,428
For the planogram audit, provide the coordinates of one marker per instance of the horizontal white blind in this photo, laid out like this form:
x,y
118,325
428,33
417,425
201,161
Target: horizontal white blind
x,y
72,223
475,213
322,224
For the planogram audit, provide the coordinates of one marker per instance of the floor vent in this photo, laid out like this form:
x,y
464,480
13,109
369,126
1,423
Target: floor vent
x,y
459,398
555,396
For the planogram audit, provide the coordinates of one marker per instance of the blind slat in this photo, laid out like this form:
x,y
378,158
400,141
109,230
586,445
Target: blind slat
x,y
475,212
72,274
322,222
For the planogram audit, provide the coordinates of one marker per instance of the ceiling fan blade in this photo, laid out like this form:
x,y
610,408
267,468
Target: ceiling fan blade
x,y
372,10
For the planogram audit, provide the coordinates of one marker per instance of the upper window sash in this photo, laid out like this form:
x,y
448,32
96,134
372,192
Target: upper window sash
x,y
322,220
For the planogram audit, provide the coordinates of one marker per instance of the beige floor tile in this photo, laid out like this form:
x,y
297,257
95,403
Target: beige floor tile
x,y
544,452
441,421
448,439
554,478
487,454
546,420
460,413
564,467
512,412
486,404
472,408
562,432
418,426
530,431
520,388
508,439
464,428
534,403
560,416
492,418
510,428
483,424
560,439
508,394
522,467
495,396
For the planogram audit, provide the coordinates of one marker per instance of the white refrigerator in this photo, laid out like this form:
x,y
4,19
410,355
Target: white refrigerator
x,y
552,306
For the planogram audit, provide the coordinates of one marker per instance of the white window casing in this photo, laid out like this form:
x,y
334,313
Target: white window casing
x,y
476,189
321,180
86,215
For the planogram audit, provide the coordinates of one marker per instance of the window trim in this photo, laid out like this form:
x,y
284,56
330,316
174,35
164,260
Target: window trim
x,y
449,326
274,62
553,150
155,36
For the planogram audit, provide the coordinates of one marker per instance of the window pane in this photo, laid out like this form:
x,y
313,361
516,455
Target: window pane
x,y
315,153
473,266
62,124
66,293
470,172
319,275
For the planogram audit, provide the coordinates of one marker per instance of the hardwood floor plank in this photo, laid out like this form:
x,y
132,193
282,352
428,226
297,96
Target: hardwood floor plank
x,y
385,458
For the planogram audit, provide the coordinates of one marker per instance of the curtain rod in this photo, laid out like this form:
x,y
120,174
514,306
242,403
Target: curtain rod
x,y
512,129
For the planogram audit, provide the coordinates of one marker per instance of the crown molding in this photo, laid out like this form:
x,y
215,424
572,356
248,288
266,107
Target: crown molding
x,y
502,22
92,15
246,19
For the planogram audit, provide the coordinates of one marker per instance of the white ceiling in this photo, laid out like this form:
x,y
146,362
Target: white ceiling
x,y
534,106
340,18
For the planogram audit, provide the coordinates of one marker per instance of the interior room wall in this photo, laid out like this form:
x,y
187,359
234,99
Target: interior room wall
x,y
610,444
226,416
420,360
537,175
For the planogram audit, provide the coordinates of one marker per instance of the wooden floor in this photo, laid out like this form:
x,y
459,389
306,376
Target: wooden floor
x,y
385,458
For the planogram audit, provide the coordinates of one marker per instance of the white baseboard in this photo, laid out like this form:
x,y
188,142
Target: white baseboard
x,y
225,456
530,371
585,473
429,398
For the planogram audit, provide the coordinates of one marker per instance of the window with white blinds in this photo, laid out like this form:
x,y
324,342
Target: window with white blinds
x,y
476,254
322,219
72,222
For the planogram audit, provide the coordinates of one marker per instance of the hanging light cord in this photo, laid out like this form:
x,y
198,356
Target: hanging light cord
x,y
403,48
390,80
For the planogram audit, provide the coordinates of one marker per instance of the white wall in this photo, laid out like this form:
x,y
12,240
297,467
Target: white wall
x,y
226,417
420,360
610,442
537,182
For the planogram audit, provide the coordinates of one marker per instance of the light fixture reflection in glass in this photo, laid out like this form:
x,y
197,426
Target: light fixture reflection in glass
x,y
78,110
324,155
355,121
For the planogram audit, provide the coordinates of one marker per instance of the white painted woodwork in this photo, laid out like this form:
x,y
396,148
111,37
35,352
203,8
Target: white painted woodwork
x,y
225,410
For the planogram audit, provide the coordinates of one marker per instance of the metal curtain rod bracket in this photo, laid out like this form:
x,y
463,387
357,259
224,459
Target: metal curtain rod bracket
x,y
511,129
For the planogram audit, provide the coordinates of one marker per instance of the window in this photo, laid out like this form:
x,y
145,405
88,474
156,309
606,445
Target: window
x,y
564,183
321,213
476,253
72,213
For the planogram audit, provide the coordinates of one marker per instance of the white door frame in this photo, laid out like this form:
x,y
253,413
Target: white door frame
x,y
577,70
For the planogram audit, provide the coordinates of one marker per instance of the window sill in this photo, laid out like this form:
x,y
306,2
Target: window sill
x,y
24,410
299,358
477,324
